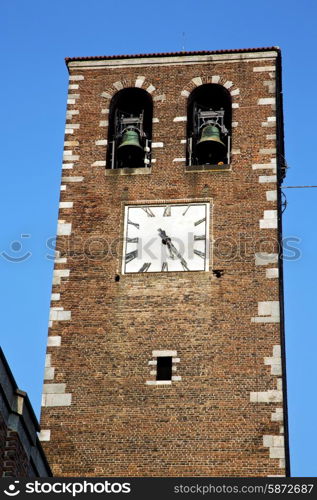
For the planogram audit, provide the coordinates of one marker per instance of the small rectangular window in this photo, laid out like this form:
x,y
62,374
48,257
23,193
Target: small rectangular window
x,y
164,368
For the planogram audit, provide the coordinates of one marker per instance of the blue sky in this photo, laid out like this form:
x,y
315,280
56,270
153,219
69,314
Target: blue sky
x,y
35,37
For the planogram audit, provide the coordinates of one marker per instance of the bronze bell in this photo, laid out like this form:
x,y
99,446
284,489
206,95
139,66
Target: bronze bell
x,y
130,151
210,148
130,138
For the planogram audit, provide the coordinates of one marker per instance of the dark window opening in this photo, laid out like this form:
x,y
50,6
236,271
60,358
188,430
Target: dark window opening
x,y
130,129
164,368
209,125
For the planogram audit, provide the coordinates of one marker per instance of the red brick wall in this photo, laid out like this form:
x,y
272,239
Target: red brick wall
x,y
205,424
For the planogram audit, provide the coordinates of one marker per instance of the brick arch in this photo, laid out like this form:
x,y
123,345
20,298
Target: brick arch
x,y
216,79
140,82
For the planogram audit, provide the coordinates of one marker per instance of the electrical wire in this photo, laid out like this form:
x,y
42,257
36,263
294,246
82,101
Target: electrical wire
x,y
297,187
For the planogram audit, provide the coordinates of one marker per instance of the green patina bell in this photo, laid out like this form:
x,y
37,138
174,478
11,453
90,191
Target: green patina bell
x,y
130,153
210,133
130,139
210,149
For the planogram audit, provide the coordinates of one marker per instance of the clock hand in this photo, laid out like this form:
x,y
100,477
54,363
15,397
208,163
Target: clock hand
x,y
179,256
172,249
166,241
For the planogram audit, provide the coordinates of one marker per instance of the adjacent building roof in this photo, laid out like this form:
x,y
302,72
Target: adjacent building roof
x,y
17,414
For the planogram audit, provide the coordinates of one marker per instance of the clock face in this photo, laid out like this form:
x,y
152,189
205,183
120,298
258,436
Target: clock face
x,y
166,237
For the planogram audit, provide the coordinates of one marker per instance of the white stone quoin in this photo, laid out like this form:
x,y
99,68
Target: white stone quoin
x,y
263,258
268,312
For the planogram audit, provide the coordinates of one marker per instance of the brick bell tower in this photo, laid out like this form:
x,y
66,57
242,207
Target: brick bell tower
x,y
165,353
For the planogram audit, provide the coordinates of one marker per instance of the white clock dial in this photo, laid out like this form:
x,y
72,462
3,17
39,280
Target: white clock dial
x,y
166,237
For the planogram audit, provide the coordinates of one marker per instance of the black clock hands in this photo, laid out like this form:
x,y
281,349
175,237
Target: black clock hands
x,y
166,240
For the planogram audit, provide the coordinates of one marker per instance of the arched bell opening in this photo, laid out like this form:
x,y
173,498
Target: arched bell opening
x,y
130,129
209,125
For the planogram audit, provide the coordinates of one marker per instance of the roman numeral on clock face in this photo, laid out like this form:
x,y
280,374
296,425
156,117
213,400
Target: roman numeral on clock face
x,y
201,254
131,255
132,240
187,208
148,211
164,266
167,211
134,224
200,221
184,264
145,267
199,237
